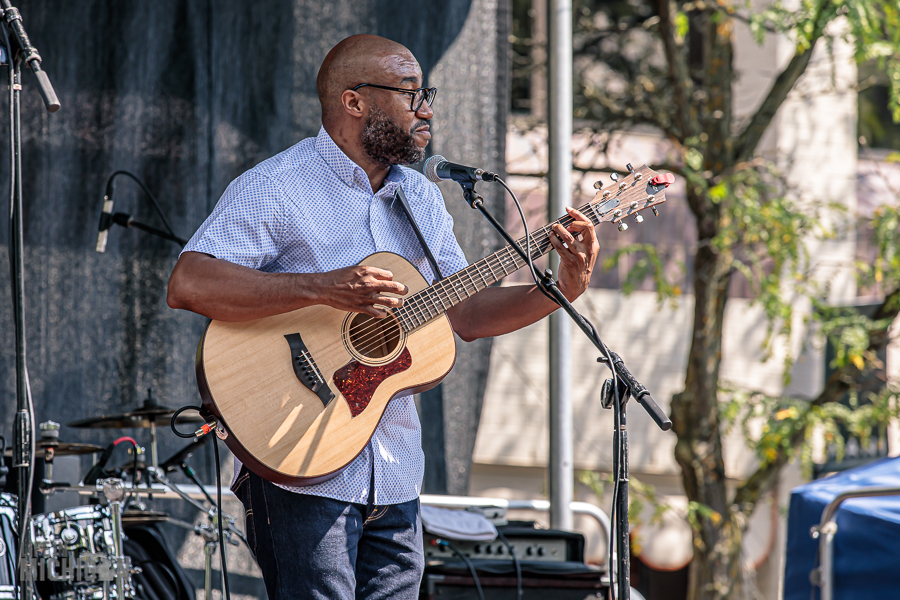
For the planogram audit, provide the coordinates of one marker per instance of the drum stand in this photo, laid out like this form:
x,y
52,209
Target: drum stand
x,y
208,531
114,491
211,538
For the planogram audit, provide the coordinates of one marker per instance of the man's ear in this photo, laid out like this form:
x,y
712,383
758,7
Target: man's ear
x,y
353,103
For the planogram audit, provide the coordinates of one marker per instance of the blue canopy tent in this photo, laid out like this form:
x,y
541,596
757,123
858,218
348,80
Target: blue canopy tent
x,y
867,542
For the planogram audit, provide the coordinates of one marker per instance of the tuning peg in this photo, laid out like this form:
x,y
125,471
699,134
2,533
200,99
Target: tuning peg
x,y
614,176
638,218
655,212
598,185
630,168
623,225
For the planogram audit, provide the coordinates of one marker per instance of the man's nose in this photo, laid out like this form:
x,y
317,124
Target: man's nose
x,y
425,111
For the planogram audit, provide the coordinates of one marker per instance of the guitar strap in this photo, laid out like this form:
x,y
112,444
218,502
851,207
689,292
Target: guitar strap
x,y
399,194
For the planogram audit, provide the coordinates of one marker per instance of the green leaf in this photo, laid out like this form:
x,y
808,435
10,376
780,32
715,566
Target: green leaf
x,y
682,25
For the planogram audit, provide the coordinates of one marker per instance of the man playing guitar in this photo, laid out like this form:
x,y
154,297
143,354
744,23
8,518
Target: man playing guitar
x,y
289,234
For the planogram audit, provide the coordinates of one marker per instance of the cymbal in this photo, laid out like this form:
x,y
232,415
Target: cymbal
x,y
140,517
134,420
147,415
51,448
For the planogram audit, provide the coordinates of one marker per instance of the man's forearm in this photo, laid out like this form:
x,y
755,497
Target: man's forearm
x,y
225,291
499,310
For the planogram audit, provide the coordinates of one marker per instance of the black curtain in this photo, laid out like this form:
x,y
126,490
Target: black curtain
x,y
187,95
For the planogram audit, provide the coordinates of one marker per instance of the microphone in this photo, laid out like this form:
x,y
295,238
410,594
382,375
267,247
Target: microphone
x,y
182,455
106,220
438,168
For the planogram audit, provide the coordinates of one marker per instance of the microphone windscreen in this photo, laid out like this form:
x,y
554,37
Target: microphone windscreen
x,y
431,166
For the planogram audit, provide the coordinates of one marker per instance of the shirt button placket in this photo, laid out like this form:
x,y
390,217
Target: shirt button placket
x,y
377,223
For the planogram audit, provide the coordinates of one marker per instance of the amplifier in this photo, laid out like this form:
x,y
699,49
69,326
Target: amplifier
x,y
535,545
551,564
452,587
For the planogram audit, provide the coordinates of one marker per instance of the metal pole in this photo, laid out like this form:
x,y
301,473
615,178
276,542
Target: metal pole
x,y
559,135
827,528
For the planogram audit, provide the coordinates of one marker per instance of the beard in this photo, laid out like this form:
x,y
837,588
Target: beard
x,y
387,144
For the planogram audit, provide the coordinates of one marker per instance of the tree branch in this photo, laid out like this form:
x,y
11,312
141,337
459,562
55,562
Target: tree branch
x,y
749,138
682,85
840,382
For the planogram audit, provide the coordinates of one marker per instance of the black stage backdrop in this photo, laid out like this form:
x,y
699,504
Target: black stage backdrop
x,y
187,95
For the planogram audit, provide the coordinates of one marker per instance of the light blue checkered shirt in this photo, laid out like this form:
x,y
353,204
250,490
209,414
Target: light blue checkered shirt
x,y
311,209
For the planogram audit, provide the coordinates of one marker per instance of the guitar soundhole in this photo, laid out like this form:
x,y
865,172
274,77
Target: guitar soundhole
x,y
371,340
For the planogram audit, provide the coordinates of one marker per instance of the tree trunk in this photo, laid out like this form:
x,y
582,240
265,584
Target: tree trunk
x,y
715,571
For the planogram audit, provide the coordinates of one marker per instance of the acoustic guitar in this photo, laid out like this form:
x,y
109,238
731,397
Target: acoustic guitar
x,y
300,394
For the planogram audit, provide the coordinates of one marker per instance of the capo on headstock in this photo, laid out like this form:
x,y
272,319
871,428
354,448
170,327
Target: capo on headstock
x,y
666,179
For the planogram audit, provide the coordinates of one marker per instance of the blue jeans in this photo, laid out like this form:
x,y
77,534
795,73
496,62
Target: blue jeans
x,y
314,547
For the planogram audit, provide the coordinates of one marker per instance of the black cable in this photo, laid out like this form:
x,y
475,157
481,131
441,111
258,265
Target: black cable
x,y
153,199
531,268
207,428
617,467
617,457
15,191
219,519
516,564
440,542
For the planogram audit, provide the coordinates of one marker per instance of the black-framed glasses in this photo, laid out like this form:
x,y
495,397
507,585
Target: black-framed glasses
x,y
419,95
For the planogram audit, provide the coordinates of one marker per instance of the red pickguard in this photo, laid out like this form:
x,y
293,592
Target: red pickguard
x,y
358,382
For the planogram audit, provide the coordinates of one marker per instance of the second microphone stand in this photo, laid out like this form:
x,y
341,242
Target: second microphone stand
x,y
614,394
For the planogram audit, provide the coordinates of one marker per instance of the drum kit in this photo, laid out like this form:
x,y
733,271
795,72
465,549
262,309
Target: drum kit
x,y
92,551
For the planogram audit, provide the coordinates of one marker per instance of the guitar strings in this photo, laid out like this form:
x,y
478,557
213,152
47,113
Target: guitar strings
x,y
417,309
427,304
375,330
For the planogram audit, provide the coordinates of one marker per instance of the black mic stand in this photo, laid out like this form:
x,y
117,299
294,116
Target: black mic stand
x,y
107,220
613,395
125,220
16,49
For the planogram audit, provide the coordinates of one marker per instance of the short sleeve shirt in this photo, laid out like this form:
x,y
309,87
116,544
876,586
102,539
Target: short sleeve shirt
x,y
310,209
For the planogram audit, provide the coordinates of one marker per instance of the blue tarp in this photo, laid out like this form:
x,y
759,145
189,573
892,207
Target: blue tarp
x,y
867,543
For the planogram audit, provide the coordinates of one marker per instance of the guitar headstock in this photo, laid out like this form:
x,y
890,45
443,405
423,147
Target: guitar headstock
x,y
640,189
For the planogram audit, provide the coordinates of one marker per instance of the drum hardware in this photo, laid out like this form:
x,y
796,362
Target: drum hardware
x,y
4,470
146,416
49,446
208,531
115,493
9,542
211,511
78,551
74,548
143,517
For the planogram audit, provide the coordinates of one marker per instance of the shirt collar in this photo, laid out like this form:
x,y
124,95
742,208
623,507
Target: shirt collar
x,y
348,171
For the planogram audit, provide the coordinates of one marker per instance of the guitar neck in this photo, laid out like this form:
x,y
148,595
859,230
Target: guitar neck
x,y
422,307
643,188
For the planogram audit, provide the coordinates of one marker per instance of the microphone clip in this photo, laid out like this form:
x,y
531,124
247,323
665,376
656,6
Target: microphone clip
x,y
470,194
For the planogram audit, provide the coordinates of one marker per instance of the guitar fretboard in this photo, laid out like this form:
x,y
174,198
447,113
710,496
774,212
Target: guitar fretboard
x,y
433,301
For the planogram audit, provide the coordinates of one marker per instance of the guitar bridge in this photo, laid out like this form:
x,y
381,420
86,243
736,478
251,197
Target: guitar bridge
x,y
306,370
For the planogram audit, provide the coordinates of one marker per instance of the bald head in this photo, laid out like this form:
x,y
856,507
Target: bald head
x,y
359,59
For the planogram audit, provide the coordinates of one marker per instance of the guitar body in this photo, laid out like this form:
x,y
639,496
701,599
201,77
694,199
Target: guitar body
x,y
301,393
